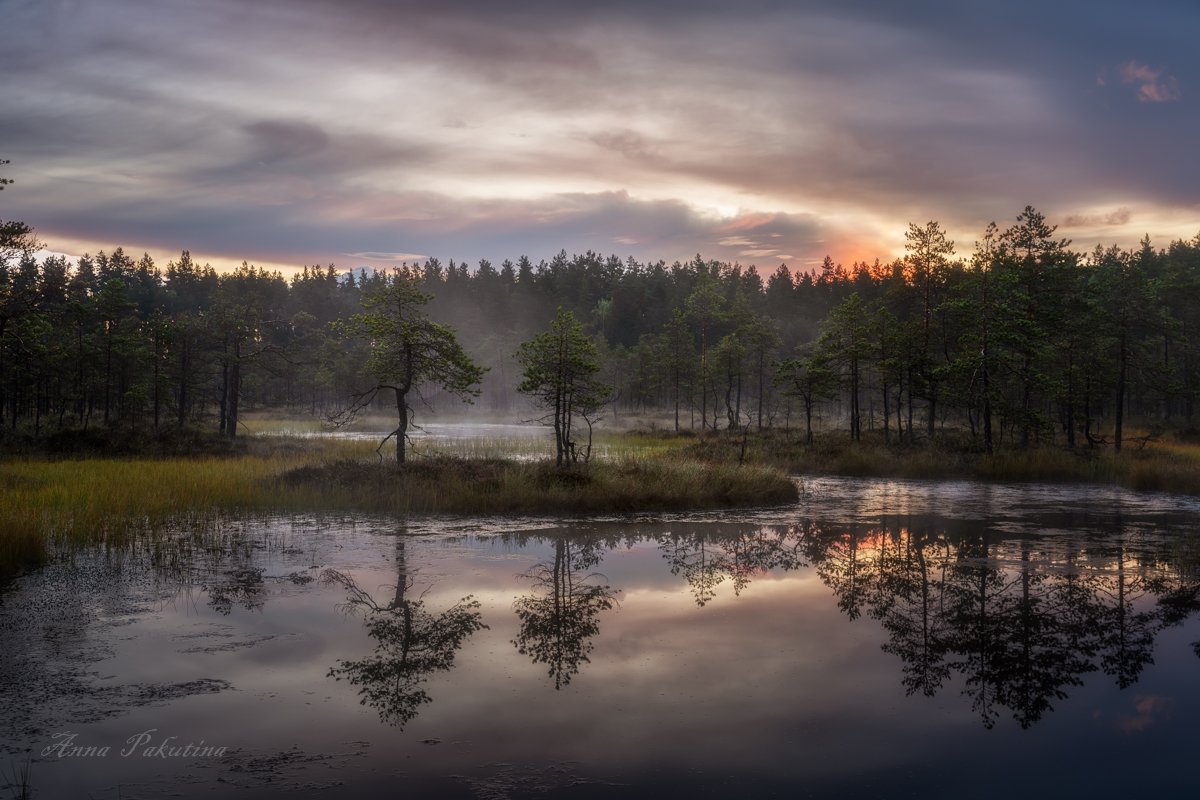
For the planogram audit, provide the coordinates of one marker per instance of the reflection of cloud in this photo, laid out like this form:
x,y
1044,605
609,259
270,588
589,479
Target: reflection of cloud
x,y
1152,85
1148,709
1121,216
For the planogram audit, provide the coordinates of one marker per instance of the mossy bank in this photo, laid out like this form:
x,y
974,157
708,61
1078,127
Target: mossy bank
x,y
500,486
1168,464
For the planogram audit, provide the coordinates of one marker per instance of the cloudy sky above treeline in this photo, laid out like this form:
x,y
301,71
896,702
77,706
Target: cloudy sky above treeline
x,y
363,132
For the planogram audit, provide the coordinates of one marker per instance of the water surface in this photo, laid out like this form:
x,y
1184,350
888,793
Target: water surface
x,y
878,639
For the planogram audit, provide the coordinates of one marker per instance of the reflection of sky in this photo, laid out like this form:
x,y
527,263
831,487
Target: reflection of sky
x,y
368,132
772,688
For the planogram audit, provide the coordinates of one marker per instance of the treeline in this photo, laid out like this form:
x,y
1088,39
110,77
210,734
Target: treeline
x,y
1023,341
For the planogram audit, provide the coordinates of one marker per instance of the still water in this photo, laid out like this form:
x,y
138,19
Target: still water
x,y
878,639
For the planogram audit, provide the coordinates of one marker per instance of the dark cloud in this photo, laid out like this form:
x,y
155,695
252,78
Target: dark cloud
x,y
749,130
279,140
1121,216
606,222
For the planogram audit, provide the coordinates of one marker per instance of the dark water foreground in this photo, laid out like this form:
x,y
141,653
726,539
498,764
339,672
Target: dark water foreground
x,y
880,639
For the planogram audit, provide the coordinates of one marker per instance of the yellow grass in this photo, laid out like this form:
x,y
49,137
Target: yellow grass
x,y
491,486
109,500
1164,465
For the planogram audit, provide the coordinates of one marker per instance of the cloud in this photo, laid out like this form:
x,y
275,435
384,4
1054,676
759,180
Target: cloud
x,y
1153,86
1120,216
369,256
627,143
288,129
278,140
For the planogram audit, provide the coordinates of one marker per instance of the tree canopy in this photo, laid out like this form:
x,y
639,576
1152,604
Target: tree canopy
x,y
408,350
561,366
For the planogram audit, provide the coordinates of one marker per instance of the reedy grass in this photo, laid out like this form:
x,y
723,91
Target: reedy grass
x,y
496,486
67,502
45,502
18,778
1163,465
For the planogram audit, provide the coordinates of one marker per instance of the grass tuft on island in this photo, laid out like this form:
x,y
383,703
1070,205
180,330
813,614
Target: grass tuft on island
x,y
1164,464
501,486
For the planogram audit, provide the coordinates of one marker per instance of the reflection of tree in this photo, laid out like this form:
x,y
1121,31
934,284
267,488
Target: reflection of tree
x,y
220,563
705,561
410,644
975,621
836,557
1126,634
914,616
559,618
1035,660
690,556
1020,622
241,587
1179,603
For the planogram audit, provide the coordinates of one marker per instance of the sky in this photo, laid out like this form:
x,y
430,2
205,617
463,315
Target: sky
x,y
368,132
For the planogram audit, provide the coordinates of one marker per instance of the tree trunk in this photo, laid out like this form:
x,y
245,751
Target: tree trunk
x,y
760,389
704,384
910,406
887,412
224,394
235,391
932,410
987,414
676,402
107,373
3,324
1120,410
184,367
1026,400
808,435
157,355
737,411
401,426
855,420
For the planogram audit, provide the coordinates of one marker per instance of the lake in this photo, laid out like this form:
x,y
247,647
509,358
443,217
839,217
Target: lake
x,y
880,638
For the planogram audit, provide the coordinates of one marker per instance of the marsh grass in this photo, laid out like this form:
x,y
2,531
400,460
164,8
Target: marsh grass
x,y
46,503
18,777
1164,465
500,486
57,501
